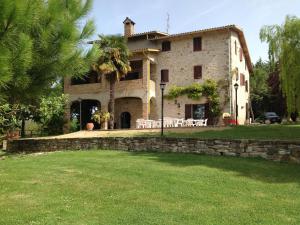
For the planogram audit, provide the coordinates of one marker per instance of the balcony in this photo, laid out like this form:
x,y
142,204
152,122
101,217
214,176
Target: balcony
x,y
130,88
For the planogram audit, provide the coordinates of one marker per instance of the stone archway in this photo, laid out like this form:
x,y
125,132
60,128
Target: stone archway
x,y
88,107
131,105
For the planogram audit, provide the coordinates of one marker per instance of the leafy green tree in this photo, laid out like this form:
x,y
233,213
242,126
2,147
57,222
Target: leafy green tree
x,y
51,113
114,63
40,43
266,94
284,48
277,101
9,118
259,88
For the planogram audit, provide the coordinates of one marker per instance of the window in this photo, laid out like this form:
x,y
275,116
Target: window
x,y
246,86
197,43
235,47
166,46
242,79
237,74
196,111
197,72
164,75
241,54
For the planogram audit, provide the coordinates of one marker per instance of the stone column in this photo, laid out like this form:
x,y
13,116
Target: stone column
x,y
146,86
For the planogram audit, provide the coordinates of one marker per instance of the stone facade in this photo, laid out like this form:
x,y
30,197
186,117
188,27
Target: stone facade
x,y
285,151
219,57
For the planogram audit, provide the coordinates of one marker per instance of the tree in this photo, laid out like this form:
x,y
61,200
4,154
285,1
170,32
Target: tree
x,y
266,94
9,120
51,113
114,63
259,88
277,100
284,48
40,43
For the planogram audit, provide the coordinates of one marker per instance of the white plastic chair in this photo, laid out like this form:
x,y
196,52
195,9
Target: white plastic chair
x,y
141,123
148,123
205,122
178,122
190,123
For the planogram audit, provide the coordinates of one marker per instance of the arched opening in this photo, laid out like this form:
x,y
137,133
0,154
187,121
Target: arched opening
x,y
85,110
131,105
125,120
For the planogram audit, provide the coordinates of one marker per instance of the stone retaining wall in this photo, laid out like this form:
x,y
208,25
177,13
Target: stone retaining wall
x,y
288,151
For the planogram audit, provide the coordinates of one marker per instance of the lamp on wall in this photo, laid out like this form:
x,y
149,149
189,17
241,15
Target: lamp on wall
x,y
236,86
162,88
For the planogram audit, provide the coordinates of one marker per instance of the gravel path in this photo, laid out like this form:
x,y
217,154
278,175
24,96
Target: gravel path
x,y
130,133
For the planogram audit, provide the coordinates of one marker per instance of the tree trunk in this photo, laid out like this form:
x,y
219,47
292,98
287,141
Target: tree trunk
x,y
111,104
23,128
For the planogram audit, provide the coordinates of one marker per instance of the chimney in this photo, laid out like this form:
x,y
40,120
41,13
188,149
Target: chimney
x,y
128,27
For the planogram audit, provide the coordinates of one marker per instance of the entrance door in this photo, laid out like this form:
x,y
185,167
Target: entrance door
x,y
125,120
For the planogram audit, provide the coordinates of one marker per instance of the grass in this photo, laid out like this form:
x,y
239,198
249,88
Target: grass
x,y
279,132
110,187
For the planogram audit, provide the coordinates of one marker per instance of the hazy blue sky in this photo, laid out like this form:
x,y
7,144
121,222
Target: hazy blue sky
x,y
188,15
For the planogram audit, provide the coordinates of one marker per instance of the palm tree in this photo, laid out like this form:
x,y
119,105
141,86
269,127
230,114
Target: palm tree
x,y
114,63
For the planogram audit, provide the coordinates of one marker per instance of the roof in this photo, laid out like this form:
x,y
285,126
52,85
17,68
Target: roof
x,y
234,28
197,32
161,34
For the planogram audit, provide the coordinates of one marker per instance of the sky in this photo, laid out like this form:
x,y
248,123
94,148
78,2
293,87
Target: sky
x,y
189,15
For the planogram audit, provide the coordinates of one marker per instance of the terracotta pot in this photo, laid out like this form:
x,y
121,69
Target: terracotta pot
x,y
89,126
15,134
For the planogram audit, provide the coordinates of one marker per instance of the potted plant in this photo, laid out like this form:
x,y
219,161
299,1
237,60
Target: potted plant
x,y
226,119
101,118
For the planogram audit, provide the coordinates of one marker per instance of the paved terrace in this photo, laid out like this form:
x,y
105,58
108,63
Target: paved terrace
x,y
130,133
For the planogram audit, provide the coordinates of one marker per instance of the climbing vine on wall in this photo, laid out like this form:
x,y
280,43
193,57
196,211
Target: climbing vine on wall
x,y
195,91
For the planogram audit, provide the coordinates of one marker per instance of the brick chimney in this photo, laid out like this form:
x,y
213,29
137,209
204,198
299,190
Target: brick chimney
x,y
128,27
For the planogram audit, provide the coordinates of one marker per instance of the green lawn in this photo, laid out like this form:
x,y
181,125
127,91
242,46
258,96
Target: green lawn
x,y
280,132
107,187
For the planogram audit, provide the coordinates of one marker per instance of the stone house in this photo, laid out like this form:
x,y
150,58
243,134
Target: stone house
x,y
181,59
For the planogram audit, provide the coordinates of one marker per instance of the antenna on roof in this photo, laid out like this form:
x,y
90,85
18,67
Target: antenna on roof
x,y
168,23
